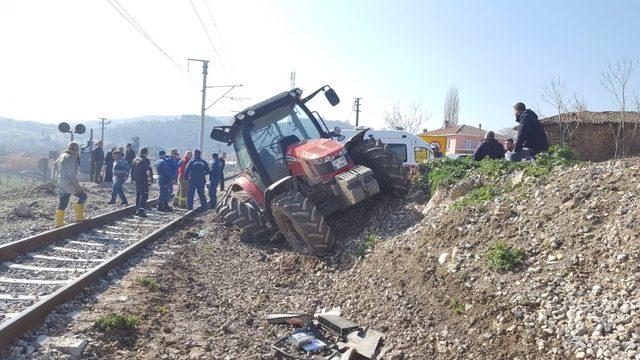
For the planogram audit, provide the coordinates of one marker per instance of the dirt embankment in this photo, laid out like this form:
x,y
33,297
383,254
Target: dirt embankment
x,y
425,281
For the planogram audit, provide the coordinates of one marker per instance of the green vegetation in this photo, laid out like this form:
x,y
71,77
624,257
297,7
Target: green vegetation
x,y
477,196
149,282
162,309
369,241
116,322
504,257
456,305
447,172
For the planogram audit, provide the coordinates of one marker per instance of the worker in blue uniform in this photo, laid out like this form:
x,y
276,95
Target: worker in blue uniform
x,y
196,173
166,175
215,174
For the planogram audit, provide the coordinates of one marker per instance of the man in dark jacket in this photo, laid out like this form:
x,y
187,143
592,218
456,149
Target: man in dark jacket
x,y
143,174
531,138
196,172
129,155
223,157
108,162
97,159
489,147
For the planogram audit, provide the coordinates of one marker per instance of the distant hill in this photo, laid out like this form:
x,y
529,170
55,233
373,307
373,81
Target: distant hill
x,y
155,131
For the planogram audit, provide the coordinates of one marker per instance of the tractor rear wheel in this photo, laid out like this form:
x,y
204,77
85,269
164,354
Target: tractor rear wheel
x,y
388,170
301,223
238,208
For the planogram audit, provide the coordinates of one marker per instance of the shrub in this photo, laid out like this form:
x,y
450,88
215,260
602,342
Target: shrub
x,y
149,282
505,257
456,305
113,322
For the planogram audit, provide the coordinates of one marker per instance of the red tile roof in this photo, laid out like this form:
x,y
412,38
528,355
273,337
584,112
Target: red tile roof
x,y
460,130
594,117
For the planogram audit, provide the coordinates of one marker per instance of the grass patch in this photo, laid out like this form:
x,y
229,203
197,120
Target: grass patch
x,y
368,242
149,282
504,257
456,305
116,322
477,196
162,309
446,172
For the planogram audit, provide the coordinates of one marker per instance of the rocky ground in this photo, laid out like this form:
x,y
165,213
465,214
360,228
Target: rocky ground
x,y
420,276
30,209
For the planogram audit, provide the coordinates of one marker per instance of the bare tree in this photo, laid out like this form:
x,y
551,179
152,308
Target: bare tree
x,y
554,93
615,79
409,119
577,103
451,106
509,133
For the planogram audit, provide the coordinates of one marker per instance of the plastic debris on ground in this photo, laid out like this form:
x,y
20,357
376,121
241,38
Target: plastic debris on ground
x,y
326,336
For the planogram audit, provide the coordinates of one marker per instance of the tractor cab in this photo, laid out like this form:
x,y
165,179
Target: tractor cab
x,y
262,134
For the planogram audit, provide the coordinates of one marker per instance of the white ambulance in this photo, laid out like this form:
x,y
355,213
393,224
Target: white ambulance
x,y
405,145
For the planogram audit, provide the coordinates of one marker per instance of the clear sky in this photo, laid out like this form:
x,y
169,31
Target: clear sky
x,y
76,60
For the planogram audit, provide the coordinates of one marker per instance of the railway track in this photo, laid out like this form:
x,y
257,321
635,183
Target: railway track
x,y
43,271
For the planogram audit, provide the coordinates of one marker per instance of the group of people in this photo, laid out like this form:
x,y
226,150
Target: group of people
x,y
189,172
99,158
531,139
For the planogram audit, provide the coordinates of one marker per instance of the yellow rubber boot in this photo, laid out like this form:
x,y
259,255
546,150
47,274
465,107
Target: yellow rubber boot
x,y
59,218
79,209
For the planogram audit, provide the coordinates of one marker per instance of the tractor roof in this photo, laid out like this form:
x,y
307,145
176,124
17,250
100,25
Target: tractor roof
x,y
266,106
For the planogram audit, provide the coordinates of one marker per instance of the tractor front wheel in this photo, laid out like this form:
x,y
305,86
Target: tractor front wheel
x,y
237,208
388,170
301,223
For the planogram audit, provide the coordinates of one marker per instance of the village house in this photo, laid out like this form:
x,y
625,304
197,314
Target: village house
x,y
596,136
460,139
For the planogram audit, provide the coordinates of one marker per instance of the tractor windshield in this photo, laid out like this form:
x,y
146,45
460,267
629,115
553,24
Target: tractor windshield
x,y
274,131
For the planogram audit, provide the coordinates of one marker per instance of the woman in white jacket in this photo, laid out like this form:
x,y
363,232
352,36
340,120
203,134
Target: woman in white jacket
x,y
67,165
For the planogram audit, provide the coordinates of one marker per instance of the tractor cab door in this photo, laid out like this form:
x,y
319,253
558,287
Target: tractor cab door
x,y
273,132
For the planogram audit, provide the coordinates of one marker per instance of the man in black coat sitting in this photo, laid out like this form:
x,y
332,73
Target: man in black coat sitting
x,y
489,147
531,138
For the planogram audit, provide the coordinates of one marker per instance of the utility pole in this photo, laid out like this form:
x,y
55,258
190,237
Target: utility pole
x,y
356,108
205,66
103,122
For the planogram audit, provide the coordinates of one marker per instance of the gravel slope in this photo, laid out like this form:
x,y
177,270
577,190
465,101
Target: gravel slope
x,y
575,296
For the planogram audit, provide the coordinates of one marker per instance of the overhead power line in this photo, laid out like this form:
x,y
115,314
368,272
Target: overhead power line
x,y
215,27
125,14
206,32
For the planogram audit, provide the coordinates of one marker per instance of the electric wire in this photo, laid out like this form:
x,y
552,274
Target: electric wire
x,y
125,14
206,32
215,27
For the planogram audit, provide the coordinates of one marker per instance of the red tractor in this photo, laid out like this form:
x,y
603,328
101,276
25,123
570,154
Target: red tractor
x,y
294,173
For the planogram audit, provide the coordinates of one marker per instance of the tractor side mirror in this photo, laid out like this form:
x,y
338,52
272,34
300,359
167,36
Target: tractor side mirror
x,y
220,135
332,97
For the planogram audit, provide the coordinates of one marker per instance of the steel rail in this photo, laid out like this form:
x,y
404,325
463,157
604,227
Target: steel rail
x,y
32,317
15,248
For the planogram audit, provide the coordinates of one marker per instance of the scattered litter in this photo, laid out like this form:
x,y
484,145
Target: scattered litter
x,y
328,337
